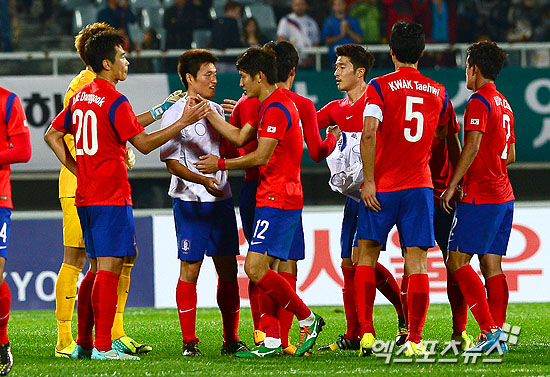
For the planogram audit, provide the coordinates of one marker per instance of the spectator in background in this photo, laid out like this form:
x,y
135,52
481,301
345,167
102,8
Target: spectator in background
x,y
149,41
252,35
119,16
182,18
397,10
466,18
299,29
5,27
340,29
492,19
443,21
369,14
225,30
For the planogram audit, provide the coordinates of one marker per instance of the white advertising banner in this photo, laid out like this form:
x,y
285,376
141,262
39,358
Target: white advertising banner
x,y
319,275
42,99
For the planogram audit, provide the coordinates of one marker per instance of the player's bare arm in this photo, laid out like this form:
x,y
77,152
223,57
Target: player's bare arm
x,y
236,136
193,111
261,156
368,155
157,111
210,183
511,154
469,153
54,138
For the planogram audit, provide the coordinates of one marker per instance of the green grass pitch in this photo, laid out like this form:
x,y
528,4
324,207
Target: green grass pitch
x,y
33,336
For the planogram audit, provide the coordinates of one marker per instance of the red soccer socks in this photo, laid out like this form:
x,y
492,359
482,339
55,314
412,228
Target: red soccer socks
x,y
417,302
365,292
386,284
186,300
459,308
474,293
104,300
85,312
497,294
286,317
348,294
5,303
282,293
229,304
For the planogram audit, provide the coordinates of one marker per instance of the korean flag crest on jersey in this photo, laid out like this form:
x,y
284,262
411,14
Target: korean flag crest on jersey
x,y
346,167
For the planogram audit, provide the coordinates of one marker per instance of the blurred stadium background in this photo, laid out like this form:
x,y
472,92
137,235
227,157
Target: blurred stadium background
x,y
40,61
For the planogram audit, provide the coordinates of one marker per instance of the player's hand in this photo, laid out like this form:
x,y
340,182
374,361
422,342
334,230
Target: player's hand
x,y
195,109
228,106
368,195
207,164
130,158
210,184
335,130
452,195
159,110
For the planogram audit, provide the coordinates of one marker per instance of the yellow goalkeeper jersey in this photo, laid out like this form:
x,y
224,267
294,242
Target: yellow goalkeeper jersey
x,y
67,181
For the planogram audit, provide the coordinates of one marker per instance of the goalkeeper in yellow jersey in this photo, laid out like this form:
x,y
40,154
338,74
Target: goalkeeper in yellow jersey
x,y
74,257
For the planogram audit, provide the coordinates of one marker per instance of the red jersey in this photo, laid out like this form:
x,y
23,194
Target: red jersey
x,y
348,116
245,110
411,106
317,148
12,122
101,120
280,185
486,181
440,165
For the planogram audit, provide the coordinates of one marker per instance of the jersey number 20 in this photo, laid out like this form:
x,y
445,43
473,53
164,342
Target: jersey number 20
x,y
86,129
410,115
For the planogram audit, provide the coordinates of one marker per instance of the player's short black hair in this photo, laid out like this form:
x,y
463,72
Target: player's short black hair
x,y
191,61
230,5
259,59
102,46
287,58
488,57
86,33
358,56
407,40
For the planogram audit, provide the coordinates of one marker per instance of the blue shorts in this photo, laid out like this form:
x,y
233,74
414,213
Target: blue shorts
x,y
298,247
482,228
205,228
349,227
442,227
108,231
411,210
5,226
247,205
275,231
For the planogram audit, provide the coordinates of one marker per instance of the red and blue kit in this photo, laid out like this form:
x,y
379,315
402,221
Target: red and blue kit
x,y
101,120
246,111
280,185
487,178
13,122
405,134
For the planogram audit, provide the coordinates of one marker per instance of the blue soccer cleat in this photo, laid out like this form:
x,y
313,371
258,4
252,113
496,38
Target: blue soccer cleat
x,y
487,342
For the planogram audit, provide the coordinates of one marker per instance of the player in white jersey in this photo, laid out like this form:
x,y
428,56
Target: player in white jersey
x,y
203,208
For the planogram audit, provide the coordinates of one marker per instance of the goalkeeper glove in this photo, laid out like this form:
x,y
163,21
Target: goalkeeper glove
x,y
130,158
157,111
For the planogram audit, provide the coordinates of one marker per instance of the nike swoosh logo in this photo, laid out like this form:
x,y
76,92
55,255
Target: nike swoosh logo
x,y
4,317
3,247
111,357
69,297
185,311
351,116
255,243
261,354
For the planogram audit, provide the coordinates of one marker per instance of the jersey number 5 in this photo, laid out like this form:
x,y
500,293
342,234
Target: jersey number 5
x,y
86,129
410,115
506,126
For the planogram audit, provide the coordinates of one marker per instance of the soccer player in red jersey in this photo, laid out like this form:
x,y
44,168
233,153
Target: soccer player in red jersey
x,y
279,197
102,120
403,111
352,67
483,220
15,146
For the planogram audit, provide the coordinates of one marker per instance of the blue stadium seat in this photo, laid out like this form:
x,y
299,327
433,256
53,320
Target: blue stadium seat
x,y
146,4
83,16
263,14
75,4
201,38
152,18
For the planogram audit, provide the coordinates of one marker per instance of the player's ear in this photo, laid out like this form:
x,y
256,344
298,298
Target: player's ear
x,y
188,77
421,54
106,63
259,76
360,72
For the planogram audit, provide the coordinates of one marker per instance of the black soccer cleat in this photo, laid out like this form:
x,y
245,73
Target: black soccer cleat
x,y
6,359
233,348
191,349
341,344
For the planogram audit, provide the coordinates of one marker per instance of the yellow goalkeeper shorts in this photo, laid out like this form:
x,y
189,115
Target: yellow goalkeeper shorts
x,y
72,232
